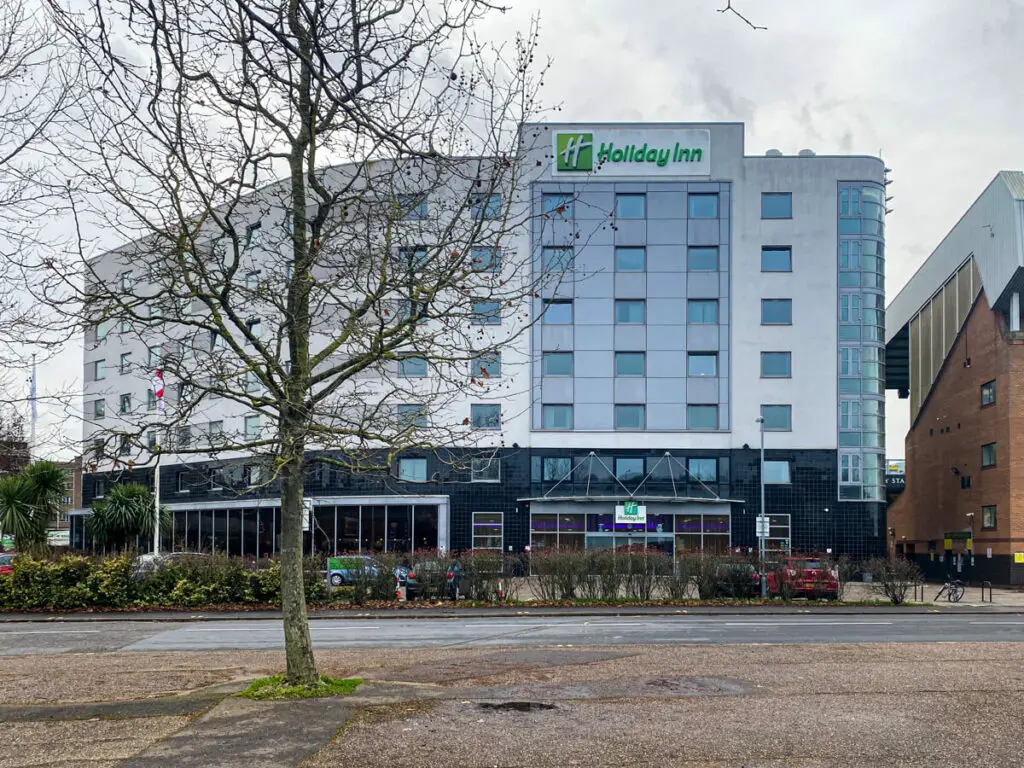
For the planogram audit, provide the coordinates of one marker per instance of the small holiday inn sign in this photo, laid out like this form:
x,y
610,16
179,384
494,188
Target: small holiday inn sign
x,y
624,152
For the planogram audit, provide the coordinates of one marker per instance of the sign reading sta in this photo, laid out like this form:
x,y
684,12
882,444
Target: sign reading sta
x,y
630,512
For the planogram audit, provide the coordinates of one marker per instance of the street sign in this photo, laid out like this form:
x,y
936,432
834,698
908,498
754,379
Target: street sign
x,y
762,527
307,513
630,512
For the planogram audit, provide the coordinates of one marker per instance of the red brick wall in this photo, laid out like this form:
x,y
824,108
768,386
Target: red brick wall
x,y
950,431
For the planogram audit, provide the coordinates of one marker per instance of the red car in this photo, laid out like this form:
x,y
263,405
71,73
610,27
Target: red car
x,y
804,577
6,564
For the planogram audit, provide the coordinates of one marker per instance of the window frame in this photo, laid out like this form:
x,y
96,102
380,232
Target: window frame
x,y
486,318
99,409
247,429
544,410
125,398
407,369
124,365
694,355
643,364
768,355
631,250
545,356
562,200
548,303
500,524
700,196
475,474
991,388
411,461
629,476
692,249
788,196
419,412
691,303
643,416
778,463
414,206
695,477
786,249
483,206
632,196
994,455
99,370
994,521
631,302
485,424
787,408
480,367
557,258
718,415
489,256
781,301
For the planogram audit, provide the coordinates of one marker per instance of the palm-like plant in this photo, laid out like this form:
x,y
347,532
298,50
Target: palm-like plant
x,y
29,502
125,512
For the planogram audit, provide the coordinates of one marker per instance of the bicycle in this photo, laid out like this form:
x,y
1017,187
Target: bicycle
x,y
953,589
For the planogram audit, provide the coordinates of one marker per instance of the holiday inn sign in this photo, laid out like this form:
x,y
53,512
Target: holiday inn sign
x,y
624,152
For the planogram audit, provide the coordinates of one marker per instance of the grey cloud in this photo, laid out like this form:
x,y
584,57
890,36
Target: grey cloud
x,y
721,101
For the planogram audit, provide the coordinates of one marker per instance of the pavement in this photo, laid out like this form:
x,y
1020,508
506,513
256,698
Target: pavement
x,y
840,704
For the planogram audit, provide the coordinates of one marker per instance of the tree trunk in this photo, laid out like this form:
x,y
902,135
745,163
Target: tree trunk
x,y
298,648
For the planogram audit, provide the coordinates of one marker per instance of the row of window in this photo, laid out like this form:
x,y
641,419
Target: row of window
x,y
631,416
557,469
634,312
699,205
633,258
702,364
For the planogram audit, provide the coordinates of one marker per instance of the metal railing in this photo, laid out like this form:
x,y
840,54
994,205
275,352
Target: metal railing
x,y
989,585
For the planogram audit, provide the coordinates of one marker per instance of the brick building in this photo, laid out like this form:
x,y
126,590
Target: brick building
x,y
955,349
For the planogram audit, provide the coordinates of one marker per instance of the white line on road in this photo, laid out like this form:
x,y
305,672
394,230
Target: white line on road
x,y
50,632
806,623
998,623
266,629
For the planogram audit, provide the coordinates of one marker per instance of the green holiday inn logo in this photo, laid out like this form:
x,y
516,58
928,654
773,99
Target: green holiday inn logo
x,y
575,152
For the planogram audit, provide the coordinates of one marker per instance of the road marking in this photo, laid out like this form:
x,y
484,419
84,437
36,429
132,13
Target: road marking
x,y
806,623
266,629
50,632
998,623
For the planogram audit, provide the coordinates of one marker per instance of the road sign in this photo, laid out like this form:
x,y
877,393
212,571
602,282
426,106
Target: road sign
x,y
630,512
307,513
762,527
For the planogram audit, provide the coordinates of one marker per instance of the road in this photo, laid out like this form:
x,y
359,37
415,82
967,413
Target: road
x,y
264,634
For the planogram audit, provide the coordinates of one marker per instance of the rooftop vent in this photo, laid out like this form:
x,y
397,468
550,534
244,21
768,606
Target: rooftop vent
x,y
805,153
773,153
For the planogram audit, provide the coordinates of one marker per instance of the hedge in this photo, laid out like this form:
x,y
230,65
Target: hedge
x,y
79,582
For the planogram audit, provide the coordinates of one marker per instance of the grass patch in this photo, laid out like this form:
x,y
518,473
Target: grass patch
x,y
276,688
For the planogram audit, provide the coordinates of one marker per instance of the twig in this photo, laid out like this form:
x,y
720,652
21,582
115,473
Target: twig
x,y
728,7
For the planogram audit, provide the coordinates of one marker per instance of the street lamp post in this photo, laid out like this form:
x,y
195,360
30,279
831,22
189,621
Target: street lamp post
x,y
760,529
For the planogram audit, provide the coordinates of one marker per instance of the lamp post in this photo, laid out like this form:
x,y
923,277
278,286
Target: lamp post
x,y
760,528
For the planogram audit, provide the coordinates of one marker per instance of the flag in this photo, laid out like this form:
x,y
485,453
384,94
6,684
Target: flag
x,y
158,391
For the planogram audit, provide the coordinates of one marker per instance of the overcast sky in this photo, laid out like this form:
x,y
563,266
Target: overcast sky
x,y
932,85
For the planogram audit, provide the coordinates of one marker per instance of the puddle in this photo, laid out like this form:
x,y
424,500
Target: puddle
x,y
516,706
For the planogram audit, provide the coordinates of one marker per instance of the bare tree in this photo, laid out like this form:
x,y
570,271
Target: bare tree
x,y
318,201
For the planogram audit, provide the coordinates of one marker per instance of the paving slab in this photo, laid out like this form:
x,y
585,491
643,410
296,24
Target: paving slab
x,y
240,733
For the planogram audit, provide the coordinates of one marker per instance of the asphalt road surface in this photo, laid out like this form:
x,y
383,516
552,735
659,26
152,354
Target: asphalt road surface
x,y
79,636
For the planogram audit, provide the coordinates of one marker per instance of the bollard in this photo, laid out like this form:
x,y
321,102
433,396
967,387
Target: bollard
x,y
989,585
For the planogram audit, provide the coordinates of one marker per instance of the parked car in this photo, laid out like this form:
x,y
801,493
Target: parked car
x,y
150,562
738,580
348,569
430,578
6,563
804,577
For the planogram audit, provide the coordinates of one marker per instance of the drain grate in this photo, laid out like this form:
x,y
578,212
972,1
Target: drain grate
x,y
516,706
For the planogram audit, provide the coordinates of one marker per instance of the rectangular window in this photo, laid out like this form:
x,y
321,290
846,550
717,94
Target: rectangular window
x,y
629,363
151,440
629,469
776,365
99,370
154,357
988,518
702,259
184,436
215,432
988,393
125,404
486,313
555,469
988,455
102,328
486,366
150,400
701,364
702,417
556,416
414,258
849,414
413,206
485,416
703,470
702,311
557,205
630,312
126,325
965,482
556,259
486,470
703,206
777,418
557,364
849,469
487,530
776,473
252,427
630,259
126,281
849,255
630,206
776,258
412,367
558,312
776,311
776,205
254,327
485,259
252,279
412,470
254,234
99,409
486,206
126,363
412,415
629,417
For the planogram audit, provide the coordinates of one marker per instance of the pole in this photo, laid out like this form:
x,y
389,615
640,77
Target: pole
x,y
156,506
764,580
33,397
